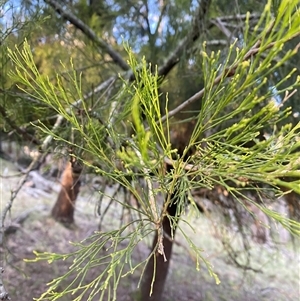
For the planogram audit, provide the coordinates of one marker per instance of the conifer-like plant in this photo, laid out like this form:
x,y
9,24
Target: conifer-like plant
x,y
132,146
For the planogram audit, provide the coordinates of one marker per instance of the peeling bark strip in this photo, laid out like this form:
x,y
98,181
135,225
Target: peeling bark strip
x,y
3,293
63,210
157,262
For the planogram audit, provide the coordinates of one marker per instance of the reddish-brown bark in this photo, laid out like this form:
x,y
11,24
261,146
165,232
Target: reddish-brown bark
x,y
63,210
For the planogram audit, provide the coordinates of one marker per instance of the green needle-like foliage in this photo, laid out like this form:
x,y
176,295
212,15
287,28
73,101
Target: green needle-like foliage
x,y
128,147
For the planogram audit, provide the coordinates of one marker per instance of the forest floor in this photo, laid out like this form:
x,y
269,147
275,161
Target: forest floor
x,y
278,278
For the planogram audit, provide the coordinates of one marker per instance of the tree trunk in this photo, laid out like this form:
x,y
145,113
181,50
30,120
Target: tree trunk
x,y
293,201
179,139
162,266
63,210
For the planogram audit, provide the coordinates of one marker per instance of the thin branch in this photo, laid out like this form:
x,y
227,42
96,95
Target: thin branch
x,y
164,7
3,293
17,175
185,43
112,198
218,23
240,17
287,96
162,71
8,206
233,255
43,146
228,72
234,18
78,23
18,129
75,104
217,43
146,17
170,62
